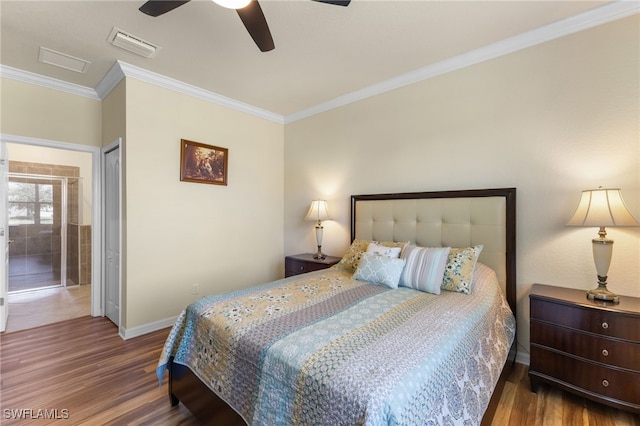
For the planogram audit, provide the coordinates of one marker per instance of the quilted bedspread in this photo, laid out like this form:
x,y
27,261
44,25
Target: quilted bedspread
x,y
324,349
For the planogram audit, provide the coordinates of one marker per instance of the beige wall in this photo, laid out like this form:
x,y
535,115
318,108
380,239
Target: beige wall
x,y
180,233
550,120
114,114
38,112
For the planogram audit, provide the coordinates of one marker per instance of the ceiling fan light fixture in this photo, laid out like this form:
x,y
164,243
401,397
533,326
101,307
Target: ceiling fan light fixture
x,y
232,4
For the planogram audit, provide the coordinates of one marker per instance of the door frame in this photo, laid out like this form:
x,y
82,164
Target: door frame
x,y
97,303
4,237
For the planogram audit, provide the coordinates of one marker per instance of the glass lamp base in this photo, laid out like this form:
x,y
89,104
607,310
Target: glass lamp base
x,y
601,293
319,254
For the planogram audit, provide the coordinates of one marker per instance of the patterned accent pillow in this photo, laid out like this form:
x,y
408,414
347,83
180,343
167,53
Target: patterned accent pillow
x,y
425,266
351,258
378,269
375,248
458,274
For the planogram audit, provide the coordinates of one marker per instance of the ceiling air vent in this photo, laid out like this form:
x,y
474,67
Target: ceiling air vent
x,y
134,44
62,60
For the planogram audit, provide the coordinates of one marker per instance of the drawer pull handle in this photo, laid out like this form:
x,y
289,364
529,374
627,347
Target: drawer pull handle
x,y
605,325
605,352
605,383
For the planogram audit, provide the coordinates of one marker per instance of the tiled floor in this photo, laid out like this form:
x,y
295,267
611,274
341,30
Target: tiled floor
x,y
34,271
39,307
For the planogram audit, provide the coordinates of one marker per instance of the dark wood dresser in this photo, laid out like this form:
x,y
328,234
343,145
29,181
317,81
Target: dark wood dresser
x,y
590,348
301,263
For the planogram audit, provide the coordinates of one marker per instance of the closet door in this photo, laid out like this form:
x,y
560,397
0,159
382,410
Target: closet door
x,y
112,234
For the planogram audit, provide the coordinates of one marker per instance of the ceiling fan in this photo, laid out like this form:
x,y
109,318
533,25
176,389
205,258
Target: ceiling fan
x,y
249,11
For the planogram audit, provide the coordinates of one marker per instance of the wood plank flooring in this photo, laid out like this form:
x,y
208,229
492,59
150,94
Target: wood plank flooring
x,y
551,406
82,372
83,368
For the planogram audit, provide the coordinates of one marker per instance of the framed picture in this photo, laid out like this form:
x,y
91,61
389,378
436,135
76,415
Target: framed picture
x,y
203,163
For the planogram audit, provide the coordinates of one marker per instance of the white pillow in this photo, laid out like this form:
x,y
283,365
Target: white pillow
x,y
379,249
425,268
378,269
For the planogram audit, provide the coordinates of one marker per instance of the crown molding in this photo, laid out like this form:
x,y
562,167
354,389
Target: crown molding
x,y
586,20
110,80
196,92
48,82
120,70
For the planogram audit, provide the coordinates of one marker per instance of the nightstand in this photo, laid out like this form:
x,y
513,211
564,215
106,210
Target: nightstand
x,y
586,347
301,263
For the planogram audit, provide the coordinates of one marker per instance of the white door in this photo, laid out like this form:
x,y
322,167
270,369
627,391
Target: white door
x,y
4,236
111,211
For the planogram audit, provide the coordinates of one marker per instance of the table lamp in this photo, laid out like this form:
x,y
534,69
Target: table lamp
x,y
318,212
600,208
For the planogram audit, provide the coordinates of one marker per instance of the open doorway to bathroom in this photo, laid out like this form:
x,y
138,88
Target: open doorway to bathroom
x,y
44,234
50,209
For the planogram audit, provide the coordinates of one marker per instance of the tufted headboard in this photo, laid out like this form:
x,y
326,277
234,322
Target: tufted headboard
x,y
446,219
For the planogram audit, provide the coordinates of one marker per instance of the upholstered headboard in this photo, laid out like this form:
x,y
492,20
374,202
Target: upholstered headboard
x,y
446,219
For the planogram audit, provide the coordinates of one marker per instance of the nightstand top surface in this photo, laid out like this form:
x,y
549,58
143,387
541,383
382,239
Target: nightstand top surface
x,y
579,297
329,260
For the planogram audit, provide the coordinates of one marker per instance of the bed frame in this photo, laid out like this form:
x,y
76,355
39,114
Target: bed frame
x,y
442,218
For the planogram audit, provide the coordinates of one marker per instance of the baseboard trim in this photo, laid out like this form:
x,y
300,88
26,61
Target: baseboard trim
x,y
130,333
523,358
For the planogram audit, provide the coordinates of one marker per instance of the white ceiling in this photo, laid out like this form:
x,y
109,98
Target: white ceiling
x,y
322,52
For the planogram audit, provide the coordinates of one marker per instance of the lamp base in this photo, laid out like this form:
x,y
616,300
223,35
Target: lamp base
x,y
319,254
601,293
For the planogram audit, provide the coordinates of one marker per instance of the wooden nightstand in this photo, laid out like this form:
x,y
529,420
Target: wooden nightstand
x,y
301,263
590,348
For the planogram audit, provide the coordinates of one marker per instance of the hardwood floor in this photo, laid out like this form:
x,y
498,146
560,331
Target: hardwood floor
x,y
82,372
85,371
551,406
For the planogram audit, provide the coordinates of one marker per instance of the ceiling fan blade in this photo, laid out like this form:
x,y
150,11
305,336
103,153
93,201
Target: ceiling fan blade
x,y
335,2
255,22
160,7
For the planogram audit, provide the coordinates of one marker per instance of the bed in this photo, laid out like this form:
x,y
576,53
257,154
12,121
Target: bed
x,y
346,346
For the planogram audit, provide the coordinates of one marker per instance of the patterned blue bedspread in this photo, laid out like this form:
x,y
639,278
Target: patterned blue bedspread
x,y
323,349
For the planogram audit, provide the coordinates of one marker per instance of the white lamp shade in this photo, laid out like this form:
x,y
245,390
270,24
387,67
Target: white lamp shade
x,y
602,207
318,211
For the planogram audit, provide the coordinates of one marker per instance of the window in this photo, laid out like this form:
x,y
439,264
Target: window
x,y
30,203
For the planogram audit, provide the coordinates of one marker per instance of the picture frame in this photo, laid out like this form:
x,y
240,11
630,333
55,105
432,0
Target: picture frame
x,y
202,163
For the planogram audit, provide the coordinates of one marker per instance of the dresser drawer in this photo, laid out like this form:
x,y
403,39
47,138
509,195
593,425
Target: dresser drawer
x,y
597,321
592,379
618,353
588,347
295,267
302,263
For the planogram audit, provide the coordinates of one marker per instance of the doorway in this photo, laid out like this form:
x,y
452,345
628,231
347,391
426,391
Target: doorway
x,y
43,214
53,214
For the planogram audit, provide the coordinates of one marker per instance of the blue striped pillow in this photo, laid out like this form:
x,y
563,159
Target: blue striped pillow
x,y
425,267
